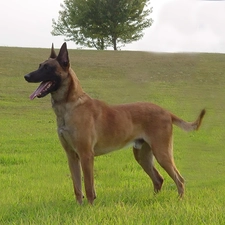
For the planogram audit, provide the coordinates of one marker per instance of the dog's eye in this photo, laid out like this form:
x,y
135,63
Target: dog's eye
x,y
46,67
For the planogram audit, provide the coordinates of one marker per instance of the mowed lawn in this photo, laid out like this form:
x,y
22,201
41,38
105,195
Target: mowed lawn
x,y
35,183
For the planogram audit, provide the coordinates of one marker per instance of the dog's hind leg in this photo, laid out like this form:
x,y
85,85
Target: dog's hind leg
x,y
163,152
144,157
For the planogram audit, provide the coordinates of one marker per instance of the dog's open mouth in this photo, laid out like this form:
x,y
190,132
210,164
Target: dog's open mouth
x,y
42,90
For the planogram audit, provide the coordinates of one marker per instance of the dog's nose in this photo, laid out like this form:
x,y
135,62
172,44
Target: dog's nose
x,y
27,77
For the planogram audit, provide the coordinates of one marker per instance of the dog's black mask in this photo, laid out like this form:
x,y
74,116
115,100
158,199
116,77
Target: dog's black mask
x,y
46,74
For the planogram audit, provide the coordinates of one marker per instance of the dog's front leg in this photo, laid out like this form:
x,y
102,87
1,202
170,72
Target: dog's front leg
x,y
87,164
75,169
74,165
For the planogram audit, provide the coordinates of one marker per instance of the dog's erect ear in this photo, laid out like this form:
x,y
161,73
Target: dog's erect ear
x,y
53,54
63,57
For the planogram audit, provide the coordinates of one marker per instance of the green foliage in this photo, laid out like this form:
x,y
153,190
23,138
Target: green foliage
x,y
35,182
102,23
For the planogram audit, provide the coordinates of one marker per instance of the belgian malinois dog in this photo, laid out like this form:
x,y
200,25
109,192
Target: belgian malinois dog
x,y
88,127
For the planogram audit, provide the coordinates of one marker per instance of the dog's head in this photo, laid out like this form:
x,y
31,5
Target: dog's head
x,y
50,73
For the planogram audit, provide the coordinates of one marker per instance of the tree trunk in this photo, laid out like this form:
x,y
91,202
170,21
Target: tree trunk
x,y
114,39
102,44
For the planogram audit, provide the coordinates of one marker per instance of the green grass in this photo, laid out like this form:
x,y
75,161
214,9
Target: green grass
x,y
35,184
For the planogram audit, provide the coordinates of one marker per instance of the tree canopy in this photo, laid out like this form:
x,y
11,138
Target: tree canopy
x,y
102,23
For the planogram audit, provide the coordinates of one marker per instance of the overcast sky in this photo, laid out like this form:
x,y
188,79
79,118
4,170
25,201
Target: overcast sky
x,y
179,25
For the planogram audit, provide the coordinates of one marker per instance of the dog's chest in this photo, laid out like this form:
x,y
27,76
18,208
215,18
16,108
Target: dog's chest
x,y
67,136
65,132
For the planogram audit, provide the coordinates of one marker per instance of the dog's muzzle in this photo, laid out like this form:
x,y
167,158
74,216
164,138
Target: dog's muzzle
x,y
27,77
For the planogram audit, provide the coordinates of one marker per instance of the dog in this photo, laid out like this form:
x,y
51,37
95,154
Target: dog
x,y
89,127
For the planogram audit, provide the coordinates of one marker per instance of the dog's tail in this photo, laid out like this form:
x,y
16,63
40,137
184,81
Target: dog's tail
x,y
188,126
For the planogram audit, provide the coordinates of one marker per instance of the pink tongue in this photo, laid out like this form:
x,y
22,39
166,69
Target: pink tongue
x,y
40,89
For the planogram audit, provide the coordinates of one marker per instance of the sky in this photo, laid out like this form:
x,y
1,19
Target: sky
x,y
179,25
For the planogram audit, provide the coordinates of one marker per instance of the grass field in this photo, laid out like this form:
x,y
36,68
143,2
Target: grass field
x,y
35,184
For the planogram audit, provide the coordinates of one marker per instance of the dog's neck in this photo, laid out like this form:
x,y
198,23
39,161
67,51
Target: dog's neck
x,y
70,90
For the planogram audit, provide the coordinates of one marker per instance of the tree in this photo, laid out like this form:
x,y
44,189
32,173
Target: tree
x,y
102,23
